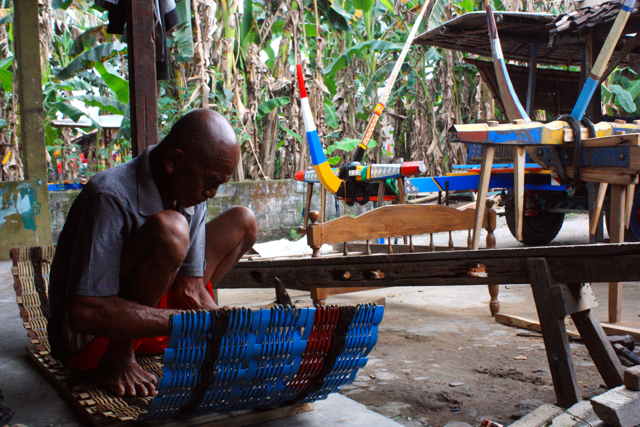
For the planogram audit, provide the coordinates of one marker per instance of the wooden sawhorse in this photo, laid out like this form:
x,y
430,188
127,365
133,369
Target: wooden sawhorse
x,y
556,301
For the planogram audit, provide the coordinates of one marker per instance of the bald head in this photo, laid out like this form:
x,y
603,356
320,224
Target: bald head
x,y
200,153
203,134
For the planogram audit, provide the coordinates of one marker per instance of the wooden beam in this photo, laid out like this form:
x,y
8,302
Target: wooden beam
x,y
528,324
568,264
142,74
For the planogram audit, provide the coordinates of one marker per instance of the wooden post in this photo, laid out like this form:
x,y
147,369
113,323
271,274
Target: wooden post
x,y
554,334
494,290
483,188
142,75
323,204
595,219
28,224
518,188
618,195
531,79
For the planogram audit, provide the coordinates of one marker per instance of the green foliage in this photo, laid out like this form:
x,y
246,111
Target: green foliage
x,y
88,58
267,107
117,84
623,97
348,145
355,52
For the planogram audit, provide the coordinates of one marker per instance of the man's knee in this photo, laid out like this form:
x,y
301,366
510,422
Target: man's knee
x,y
245,218
171,232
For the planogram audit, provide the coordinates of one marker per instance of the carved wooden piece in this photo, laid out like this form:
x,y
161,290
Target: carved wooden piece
x,y
395,220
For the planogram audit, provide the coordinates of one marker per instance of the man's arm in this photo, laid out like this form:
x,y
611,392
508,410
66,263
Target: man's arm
x,y
117,318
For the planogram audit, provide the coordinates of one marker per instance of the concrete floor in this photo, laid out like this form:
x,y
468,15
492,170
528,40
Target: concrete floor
x,y
37,403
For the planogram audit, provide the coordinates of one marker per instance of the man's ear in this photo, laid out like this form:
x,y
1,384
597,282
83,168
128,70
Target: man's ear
x,y
174,158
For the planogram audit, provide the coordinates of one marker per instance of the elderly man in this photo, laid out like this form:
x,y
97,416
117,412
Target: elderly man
x,y
135,249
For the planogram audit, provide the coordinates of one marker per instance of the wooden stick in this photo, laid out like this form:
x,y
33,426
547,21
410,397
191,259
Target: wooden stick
x,y
518,188
602,191
616,235
631,191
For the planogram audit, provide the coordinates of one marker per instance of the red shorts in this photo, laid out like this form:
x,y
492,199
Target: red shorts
x,y
88,357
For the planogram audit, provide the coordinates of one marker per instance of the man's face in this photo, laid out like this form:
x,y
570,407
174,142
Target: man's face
x,y
194,181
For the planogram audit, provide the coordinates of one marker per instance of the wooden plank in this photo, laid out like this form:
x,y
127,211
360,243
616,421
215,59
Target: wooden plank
x,y
607,175
392,220
142,74
554,334
528,324
483,188
601,351
616,235
627,139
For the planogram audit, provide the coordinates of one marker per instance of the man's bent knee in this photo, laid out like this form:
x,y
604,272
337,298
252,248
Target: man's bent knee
x,y
170,233
245,218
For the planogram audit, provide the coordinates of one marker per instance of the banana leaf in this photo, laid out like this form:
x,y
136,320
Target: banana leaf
x,y
117,84
89,58
110,105
267,107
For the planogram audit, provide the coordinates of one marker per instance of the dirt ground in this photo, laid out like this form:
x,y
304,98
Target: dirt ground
x,y
441,358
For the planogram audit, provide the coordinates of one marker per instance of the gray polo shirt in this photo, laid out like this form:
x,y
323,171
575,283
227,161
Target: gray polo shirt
x,y
113,204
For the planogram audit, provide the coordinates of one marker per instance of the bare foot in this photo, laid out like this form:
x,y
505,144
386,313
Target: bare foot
x,y
122,375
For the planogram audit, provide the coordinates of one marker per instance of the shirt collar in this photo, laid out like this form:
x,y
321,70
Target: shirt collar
x,y
149,200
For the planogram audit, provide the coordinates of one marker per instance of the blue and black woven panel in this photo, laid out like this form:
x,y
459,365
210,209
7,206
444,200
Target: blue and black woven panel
x,y
228,360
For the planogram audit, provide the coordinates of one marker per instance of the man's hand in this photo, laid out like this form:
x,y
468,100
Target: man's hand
x,y
189,293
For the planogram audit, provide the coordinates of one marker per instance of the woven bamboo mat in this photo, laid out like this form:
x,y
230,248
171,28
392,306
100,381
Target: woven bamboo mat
x,y
31,267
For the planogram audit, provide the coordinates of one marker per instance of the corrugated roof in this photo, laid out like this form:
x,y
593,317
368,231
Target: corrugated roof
x,y
560,38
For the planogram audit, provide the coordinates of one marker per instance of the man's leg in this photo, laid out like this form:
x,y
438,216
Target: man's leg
x,y
229,236
150,259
